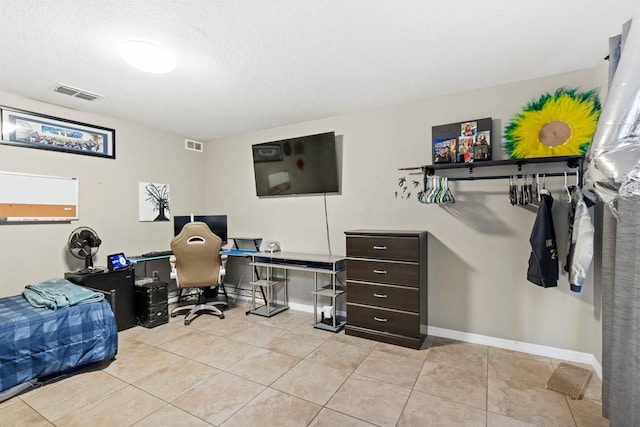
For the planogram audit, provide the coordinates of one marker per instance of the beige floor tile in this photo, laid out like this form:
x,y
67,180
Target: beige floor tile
x,y
189,343
131,367
534,405
310,330
493,351
275,408
176,379
158,335
398,370
64,397
312,381
370,400
357,341
288,320
587,413
295,344
426,410
17,413
127,345
329,418
218,398
497,420
224,328
470,357
223,353
411,353
264,366
454,384
109,411
531,372
594,390
258,335
338,355
171,416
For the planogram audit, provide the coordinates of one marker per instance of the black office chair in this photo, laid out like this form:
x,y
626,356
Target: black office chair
x,y
197,263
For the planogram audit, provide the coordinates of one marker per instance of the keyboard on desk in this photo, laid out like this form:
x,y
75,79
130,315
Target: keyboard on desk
x,y
157,253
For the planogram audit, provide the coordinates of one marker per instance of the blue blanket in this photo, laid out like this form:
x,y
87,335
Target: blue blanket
x,y
59,293
37,342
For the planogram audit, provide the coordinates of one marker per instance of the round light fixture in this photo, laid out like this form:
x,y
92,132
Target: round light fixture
x,y
147,57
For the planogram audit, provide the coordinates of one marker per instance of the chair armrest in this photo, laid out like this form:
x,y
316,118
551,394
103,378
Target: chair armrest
x,y
223,267
172,260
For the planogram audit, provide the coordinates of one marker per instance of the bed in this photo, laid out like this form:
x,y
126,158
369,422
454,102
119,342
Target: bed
x,y
39,342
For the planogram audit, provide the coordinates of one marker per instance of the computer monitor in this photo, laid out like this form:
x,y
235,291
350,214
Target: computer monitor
x,y
217,224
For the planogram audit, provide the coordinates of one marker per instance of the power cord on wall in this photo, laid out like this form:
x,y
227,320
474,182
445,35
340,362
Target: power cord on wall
x,y
326,221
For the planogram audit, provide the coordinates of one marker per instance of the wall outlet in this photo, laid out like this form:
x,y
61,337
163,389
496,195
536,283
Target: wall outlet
x,y
154,274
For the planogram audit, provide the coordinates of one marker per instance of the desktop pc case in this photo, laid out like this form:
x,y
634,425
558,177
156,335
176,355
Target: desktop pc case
x,y
152,307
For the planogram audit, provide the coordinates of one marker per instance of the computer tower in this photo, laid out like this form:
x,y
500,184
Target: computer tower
x,y
152,305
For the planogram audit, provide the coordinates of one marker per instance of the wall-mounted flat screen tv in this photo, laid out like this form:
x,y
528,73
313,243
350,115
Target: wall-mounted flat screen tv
x,y
302,165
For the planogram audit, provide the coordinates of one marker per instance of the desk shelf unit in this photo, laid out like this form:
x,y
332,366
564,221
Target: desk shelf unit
x,y
318,265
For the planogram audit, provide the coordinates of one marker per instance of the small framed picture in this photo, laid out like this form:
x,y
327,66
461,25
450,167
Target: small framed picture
x,y
482,146
444,151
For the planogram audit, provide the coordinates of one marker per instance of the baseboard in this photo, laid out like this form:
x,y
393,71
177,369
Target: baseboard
x,y
539,350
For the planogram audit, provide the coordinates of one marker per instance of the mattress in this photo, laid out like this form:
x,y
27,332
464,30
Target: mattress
x,y
35,342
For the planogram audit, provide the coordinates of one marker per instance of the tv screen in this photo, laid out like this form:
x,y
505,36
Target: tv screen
x,y
303,165
217,224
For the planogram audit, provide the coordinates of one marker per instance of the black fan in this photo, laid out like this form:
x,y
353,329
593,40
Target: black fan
x,y
83,244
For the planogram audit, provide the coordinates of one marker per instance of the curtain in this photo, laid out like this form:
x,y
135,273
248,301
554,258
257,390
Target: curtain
x,y
621,314
621,294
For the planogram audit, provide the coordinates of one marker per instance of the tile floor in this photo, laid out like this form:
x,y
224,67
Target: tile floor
x,y
254,371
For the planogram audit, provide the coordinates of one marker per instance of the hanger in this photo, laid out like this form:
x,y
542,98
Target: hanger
x,y
566,188
544,187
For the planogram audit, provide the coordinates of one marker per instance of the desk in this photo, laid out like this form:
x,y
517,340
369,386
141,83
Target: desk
x,y
317,264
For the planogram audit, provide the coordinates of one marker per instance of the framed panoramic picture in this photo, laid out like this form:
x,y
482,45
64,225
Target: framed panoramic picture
x,y
462,142
33,130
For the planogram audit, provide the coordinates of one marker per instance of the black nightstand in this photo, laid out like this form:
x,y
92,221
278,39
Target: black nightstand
x,y
122,281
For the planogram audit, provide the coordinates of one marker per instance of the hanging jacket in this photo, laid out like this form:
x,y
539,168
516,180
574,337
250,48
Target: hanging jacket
x,y
543,261
581,249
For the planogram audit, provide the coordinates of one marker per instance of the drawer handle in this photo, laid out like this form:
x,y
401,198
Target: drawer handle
x,y
379,319
379,295
380,271
380,248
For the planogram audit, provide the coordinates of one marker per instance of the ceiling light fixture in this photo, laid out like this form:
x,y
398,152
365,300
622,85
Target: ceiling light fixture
x,y
147,57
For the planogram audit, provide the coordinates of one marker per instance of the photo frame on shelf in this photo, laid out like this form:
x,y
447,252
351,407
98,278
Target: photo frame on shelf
x,y
33,130
462,142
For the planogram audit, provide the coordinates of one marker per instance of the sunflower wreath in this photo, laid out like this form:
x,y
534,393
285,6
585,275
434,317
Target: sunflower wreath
x,y
559,124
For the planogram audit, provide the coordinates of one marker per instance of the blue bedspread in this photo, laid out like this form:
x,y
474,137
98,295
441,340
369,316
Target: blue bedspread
x,y
35,342
59,293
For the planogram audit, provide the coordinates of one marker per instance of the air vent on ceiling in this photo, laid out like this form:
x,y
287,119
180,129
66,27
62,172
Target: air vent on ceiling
x,y
190,144
75,92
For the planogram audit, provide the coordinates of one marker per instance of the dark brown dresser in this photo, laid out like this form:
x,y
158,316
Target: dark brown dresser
x,y
387,286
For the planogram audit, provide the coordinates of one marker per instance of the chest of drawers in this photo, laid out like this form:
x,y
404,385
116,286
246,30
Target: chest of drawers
x,y
387,286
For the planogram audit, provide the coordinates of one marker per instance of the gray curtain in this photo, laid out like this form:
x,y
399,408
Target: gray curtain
x,y
621,297
621,314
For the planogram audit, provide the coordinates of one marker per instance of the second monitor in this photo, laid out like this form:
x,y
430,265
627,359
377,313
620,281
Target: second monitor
x,y
217,224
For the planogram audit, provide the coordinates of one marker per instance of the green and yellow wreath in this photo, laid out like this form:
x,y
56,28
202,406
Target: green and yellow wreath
x,y
558,124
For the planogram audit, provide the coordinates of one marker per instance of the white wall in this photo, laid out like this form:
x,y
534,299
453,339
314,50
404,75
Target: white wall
x,y
478,250
31,253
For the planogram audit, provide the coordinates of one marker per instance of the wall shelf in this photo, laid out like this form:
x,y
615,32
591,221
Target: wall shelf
x,y
504,169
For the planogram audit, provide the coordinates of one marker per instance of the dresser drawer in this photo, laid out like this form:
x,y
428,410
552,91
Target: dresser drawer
x,y
383,247
406,299
380,319
394,273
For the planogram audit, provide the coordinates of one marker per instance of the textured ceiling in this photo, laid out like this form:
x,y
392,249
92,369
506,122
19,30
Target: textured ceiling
x,y
247,65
